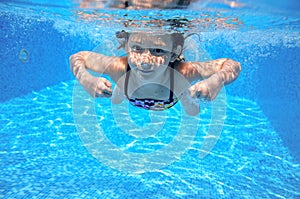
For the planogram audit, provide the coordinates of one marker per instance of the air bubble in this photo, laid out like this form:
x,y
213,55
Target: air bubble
x,y
24,55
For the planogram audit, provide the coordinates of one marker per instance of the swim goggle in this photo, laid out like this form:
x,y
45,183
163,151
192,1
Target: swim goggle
x,y
153,51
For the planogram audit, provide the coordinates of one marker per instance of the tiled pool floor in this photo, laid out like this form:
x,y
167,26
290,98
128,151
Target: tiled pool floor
x,y
42,156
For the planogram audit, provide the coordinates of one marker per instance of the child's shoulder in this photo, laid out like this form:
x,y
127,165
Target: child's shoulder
x,y
182,67
119,64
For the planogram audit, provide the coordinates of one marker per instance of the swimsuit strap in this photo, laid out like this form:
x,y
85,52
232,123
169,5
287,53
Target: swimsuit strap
x,y
171,81
126,81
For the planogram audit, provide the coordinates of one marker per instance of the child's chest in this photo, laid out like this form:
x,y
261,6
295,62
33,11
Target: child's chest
x,y
149,91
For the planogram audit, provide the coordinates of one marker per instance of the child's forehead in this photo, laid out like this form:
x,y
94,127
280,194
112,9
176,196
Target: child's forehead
x,y
155,38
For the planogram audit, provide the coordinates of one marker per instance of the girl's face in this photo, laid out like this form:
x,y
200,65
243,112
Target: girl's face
x,y
149,54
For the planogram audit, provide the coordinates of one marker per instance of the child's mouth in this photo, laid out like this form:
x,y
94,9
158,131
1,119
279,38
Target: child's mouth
x,y
145,71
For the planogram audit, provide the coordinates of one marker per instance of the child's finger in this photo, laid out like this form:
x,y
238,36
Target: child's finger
x,y
103,88
107,83
107,93
104,93
200,93
192,91
196,91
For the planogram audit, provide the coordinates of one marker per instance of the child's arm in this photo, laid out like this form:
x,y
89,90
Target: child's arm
x,y
228,70
214,74
96,86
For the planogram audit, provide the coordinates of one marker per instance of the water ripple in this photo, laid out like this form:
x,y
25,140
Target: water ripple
x,y
42,155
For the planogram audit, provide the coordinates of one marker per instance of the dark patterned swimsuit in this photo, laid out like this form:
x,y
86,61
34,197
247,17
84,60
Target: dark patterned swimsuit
x,y
152,104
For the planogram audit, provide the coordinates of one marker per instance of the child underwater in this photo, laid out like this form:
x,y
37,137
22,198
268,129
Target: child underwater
x,y
153,75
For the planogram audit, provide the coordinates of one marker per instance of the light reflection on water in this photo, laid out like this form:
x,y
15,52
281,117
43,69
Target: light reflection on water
x,y
198,16
40,148
168,20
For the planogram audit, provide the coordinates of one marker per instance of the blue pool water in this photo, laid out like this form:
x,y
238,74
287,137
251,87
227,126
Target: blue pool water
x,y
45,152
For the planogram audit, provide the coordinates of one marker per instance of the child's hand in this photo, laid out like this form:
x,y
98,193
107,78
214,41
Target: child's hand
x,y
97,86
190,105
207,89
103,88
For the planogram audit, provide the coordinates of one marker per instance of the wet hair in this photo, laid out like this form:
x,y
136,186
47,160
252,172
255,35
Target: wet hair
x,y
177,38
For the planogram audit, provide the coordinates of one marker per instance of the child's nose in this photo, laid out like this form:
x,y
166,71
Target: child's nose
x,y
147,53
146,57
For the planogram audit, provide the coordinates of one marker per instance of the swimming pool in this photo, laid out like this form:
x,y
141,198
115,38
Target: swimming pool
x,y
44,154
